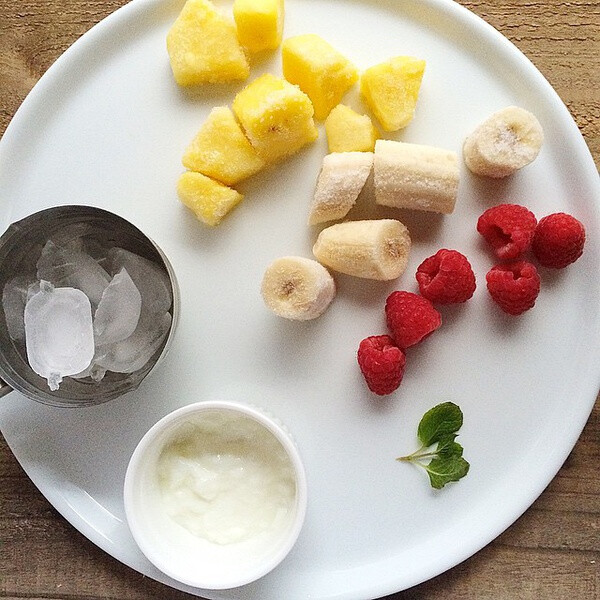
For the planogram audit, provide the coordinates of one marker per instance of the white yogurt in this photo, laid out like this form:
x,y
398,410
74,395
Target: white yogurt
x,y
226,478
215,494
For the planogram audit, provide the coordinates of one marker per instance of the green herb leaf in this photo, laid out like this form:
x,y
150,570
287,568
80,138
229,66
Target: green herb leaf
x,y
445,469
439,425
443,419
448,447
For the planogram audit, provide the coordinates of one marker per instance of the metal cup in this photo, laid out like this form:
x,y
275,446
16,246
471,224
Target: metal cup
x,y
20,248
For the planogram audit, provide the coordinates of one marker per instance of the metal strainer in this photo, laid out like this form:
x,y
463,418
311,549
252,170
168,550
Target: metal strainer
x,y
20,247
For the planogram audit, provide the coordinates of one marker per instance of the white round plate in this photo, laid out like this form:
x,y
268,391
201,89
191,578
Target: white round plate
x,y
107,126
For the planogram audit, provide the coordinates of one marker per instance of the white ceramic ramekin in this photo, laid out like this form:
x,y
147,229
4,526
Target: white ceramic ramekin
x,y
185,557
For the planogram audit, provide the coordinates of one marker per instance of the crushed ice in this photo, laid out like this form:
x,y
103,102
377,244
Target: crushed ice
x,y
149,278
118,311
14,298
133,352
89,308
67,266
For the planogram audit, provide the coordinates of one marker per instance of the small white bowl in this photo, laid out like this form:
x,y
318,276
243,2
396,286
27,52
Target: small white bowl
x,y
172,547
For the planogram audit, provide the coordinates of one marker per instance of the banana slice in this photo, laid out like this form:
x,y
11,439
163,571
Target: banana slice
x,y
297,288
342,177
415,176
373,249
505,142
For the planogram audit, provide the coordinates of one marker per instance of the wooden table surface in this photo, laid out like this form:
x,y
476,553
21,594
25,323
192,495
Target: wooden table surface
x,y
551,552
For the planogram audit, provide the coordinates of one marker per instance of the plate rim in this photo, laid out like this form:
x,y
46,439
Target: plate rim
x,y
501,45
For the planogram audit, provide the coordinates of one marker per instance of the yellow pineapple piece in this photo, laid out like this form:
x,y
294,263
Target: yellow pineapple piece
x,y
221,150
207,198
277,117
319,70
391,89
203,46
347,131
259,23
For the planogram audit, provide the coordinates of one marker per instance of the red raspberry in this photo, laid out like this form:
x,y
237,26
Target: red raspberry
x,y
509,228
514,286
446,277
382,363
410,318
558,240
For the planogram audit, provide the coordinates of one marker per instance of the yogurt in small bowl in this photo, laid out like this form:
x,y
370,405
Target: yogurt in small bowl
x,y
215,494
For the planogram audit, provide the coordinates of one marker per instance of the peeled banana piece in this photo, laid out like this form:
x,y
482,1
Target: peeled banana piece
x,y
505,142
342,177
297,288
415,176
372,249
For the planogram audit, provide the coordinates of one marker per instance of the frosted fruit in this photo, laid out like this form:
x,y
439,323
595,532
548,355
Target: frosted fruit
x,y
203,46
391,90
208,199
259,23
348,131
277,117
221,150
321,72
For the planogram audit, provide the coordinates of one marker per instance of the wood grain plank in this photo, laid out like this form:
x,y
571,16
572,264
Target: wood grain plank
x,y
562,39
501,573
552,551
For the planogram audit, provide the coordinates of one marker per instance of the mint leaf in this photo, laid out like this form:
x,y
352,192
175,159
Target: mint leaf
x,y
445,469
445,418
448,447
446,463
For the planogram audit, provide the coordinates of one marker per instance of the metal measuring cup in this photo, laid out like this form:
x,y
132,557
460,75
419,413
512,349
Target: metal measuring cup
x,y
20,248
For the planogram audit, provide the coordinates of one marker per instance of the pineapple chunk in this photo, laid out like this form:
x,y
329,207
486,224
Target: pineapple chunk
x,y
276,117
203,46
391,90
208,199
221,150
347,131
259,23
319,70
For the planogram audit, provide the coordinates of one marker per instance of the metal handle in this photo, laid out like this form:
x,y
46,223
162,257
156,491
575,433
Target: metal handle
x,y
4,388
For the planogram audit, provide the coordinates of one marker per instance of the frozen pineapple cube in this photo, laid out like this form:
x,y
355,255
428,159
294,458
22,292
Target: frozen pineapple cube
x,y
221,150
277,117
391,89
208,199
203,46
347,131
318,69
259,23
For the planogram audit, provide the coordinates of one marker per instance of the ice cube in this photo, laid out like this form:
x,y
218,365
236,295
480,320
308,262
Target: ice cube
x,y
71,236
97,372
14,298
65,266
33,289
59,337
134,352
96,248
118,312
94,371
152,281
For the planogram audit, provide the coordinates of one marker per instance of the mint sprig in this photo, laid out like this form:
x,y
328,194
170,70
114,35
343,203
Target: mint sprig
x,y
446,463
441,420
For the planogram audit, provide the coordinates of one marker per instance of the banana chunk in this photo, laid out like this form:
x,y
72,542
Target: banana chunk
x,y
371,249
297,288
415,176
342,177
505,142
